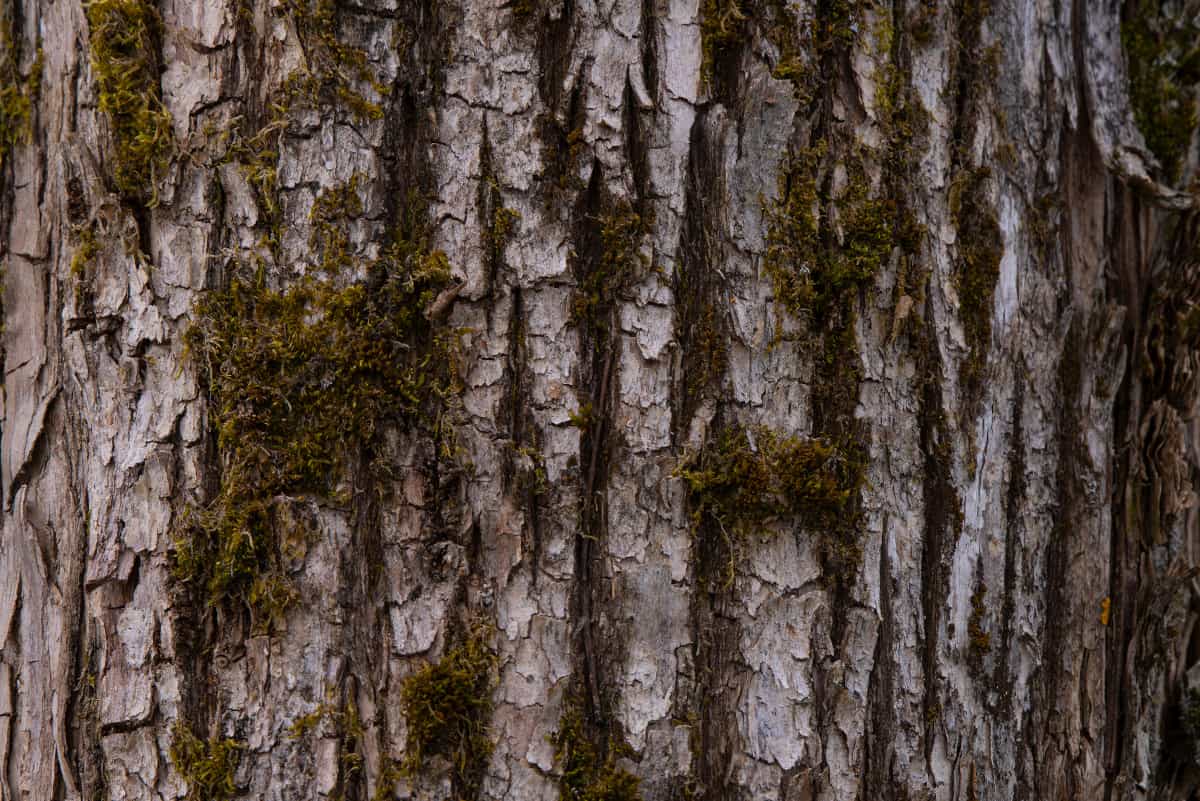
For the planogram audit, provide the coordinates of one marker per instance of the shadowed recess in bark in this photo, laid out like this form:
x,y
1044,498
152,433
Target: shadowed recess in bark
x,y
607,259
700,322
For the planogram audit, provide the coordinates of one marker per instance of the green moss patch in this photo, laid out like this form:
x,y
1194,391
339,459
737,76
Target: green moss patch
x,y
620,262
336,73
586,775
302,381
17,92
820,250
125,39
207,766
722,28
745,478
447,706
1162,55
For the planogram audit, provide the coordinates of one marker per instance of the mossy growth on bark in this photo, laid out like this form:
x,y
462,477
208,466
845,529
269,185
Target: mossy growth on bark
x,y
335,74
586,774
125,37
447,706
745,478
726,26
620,262
1162,57
722,28
302,381
980,248
17,92
822,250
207,766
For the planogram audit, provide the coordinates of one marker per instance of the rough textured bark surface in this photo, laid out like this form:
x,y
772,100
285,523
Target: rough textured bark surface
x,y
1011,612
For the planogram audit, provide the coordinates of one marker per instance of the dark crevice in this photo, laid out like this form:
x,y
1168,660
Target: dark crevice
x,y
1004,679
701,328
878,757
943,520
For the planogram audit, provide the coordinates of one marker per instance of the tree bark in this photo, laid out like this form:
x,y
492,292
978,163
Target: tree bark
x,y
1003,607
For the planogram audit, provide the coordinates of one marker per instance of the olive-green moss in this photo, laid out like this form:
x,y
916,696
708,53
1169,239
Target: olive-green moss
x,y
1162,55
335,77
125,38
711,352
980,248
17,92
744,478
525,10
335,73
447,706
207,766
820,250
82,262
85,252
621,261
585,774
722,28
301,381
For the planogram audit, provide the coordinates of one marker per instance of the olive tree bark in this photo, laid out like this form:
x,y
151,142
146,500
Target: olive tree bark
x,y
818,421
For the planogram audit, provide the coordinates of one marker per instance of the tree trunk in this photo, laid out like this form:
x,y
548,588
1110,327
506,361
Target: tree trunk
x,y
661,399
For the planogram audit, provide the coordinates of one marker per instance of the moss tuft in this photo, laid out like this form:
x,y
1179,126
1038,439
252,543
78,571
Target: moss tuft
x,y
302,380
1162,54
336,74
85,253
125,37
17,92
745,478
586,776
208,767
722,29
447,706
821,251
621,261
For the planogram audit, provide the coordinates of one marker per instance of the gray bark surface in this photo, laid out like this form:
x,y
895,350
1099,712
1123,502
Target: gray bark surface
x,y
1022,621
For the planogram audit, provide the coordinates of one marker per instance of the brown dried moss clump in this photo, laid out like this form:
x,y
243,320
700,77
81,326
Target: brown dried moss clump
x,y
302,381
447,706
125,37
207,766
